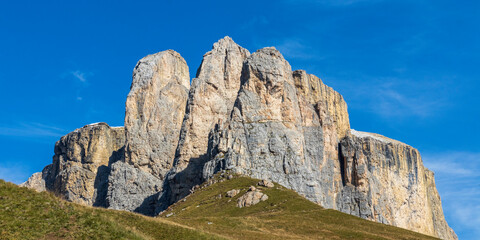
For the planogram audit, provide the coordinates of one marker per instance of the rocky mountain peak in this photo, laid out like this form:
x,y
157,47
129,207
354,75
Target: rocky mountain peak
x,y
252,115
167,64
269,66
223,45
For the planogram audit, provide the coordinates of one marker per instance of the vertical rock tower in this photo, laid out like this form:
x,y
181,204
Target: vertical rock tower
x,y
249,113
154,113
211,99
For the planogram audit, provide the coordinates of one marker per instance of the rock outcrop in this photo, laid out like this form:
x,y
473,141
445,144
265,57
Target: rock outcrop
x,y
232,193
253,115
80,168
251,197
35,182
266,183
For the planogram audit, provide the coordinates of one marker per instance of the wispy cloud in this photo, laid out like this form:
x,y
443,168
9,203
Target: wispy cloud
x,y
81,80
457,176
79,75
396,97
460,164
31,129
393,103
295,49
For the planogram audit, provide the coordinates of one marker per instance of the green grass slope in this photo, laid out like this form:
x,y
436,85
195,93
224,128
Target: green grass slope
x,y
285,215
205,214
26,214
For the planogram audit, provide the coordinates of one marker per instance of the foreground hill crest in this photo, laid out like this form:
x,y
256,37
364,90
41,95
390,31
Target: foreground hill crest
x,y
251,114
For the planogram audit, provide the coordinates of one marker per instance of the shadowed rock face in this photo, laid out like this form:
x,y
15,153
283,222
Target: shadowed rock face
x,y
252,114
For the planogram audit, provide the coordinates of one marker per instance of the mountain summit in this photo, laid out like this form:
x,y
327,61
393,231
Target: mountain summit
x,y
248,113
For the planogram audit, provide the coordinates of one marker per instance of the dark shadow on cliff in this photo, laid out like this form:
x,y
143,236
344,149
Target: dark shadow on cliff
x,y
176,186
101,179
149,205
343,163
179,184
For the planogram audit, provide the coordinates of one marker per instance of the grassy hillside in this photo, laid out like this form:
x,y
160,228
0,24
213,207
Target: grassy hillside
x,y
285,215
25,214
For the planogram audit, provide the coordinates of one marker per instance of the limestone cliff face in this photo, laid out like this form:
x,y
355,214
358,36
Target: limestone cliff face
x,y
289,127
286,127
440,226
211,100
154,113
274,133
385,181
252,114
80,166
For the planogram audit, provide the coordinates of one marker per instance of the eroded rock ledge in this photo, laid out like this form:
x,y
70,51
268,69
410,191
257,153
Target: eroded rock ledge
x,y
249,113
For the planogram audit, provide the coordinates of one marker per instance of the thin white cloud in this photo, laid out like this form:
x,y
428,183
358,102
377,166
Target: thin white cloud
x,y
31,129
81,80
81,76
295,49
459,169
460,164
394,103
396,98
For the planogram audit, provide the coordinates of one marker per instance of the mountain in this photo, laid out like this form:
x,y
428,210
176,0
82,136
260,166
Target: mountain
x,y
248,113
27,214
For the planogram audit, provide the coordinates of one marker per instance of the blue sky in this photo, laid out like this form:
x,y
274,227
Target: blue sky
x,y
407,69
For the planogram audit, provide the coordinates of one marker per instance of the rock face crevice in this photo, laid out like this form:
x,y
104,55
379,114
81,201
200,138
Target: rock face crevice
x,y
249,113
